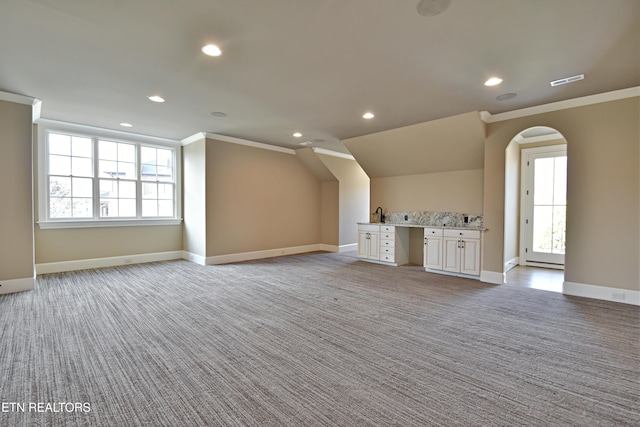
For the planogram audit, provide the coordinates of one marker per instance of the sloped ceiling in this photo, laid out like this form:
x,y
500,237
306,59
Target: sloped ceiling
x,y
444,145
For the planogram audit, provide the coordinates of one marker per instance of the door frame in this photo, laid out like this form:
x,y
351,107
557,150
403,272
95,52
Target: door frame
x,y
524,201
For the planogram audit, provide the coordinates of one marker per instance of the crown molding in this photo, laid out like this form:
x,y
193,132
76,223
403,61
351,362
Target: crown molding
x,y
254,144
487,117
324,151
193,138
18,99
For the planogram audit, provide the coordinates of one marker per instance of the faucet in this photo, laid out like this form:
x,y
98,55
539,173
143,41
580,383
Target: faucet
x,y
381,213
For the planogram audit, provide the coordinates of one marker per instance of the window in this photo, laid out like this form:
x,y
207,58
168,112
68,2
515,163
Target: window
x,y
93,180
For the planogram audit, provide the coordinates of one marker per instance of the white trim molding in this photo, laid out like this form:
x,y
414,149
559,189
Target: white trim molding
x,y
347,248
84,264
268,253
17,98
494,277
254,144
487,117
195,258
17,285
333,153
626,296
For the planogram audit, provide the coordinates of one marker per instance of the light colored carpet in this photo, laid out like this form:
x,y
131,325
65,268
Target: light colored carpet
x,y
318,339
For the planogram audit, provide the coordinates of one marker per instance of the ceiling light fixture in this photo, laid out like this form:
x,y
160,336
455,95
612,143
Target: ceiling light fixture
x,y
211,50
432,7
156,98
297,134
566,80
493,81
126,125
368,115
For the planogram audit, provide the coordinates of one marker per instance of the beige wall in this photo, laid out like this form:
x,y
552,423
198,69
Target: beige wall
x,y
353,195
195,200
69,244
330,213
457,191
258,199
16,208
603,191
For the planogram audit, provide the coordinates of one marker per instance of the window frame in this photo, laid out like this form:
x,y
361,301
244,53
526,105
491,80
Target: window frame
x,y
96,134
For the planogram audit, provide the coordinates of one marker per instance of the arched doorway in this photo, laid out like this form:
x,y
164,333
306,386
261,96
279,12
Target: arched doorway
x,y
534,208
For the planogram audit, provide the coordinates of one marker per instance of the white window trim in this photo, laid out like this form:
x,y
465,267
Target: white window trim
x,y
44,222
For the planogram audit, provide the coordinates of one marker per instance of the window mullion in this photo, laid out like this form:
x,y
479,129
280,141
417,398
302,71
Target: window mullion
x,y
96,180
138,181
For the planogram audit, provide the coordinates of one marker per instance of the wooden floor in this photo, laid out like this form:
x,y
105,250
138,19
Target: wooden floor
x,y
537,278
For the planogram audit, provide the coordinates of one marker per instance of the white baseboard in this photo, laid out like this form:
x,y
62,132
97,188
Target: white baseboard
x,y
512,263
328,248
17,285
83,264
626,296
198,259
348,248
268,253
497,278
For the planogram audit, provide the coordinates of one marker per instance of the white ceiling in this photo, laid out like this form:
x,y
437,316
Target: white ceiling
x,y
308,66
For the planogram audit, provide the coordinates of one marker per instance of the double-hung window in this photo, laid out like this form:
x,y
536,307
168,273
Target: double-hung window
x,y
92,180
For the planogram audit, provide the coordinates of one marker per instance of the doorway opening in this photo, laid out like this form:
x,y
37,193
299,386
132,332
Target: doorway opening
x,y
535,202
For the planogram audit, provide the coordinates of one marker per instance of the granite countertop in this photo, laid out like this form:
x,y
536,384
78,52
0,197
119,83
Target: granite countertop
x,y
412,225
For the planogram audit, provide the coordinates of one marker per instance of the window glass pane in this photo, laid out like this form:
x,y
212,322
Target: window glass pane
x,y
60,207
127,153
148,155
165,208
542,228
560,181
149,208
81,147
164,174
59,144
543,181
81,166
149,190
127,189
559,229
108,188
127,170
59,187
165,191
108,169
108,150
127,208
83,208
82,187
165,157
108,208
59,165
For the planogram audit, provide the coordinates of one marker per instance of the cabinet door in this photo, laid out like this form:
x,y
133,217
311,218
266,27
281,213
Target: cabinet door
x,y
433,252
374,248
470,257
363,244
451,254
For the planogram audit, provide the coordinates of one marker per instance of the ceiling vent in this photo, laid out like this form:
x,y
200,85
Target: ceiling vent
x,y
432,7
566,80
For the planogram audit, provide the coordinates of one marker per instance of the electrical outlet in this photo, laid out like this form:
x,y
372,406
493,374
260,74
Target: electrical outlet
x,y
406,217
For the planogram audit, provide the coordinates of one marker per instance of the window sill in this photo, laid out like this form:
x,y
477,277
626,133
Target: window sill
x,y
108,223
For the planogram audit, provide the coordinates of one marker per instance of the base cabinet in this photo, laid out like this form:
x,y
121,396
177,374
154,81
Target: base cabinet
x,y
432,252
461,252
369,242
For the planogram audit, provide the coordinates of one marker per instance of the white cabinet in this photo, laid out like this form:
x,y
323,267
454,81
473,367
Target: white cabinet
x,y
461,251
432,248
369,241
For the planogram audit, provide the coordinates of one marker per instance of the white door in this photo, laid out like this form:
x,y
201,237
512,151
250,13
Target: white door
x,y
545,205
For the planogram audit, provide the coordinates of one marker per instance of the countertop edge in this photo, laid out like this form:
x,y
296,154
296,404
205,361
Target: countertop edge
x,y
408,225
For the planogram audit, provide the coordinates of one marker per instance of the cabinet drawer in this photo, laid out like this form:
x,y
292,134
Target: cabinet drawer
x,y
387,236
387,257
387,228
387,243
368,227
428,231
387,251
469,234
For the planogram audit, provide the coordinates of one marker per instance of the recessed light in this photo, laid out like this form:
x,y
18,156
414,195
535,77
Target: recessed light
x,y
211,50
126,125
493,81
506,96
156,98
368,115
297,134
219,114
